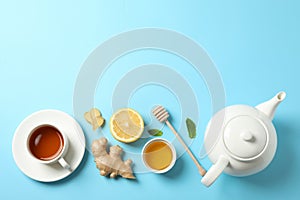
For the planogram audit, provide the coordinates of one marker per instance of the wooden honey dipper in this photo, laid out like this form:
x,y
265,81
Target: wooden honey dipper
x,y
162,116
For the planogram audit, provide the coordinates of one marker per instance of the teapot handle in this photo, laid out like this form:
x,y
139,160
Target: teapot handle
x,y
214,172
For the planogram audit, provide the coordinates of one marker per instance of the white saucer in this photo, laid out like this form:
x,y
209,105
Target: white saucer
x,y
54,172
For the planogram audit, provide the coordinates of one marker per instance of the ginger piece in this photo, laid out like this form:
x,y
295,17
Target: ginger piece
x,y
94,118
111,163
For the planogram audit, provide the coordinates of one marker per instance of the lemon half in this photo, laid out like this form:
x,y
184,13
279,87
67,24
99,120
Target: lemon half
x,y
126,125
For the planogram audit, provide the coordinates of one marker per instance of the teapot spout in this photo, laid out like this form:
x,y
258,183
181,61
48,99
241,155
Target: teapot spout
x,y
269,107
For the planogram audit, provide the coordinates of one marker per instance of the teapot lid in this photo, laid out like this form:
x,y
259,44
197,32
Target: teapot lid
x,y
245,137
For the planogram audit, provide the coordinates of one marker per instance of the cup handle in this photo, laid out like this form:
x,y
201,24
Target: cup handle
x,y
214,172
64,164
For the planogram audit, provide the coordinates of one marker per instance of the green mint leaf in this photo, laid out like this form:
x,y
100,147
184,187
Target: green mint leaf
x,y
191,127
155,132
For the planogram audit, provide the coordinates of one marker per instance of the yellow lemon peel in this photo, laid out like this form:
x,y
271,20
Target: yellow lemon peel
x,y
126,125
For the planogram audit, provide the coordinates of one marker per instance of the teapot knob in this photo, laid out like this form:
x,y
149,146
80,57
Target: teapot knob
x,y
247,136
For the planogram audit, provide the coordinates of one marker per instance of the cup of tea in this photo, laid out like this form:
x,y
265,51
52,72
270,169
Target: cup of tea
x,y
159,155
47,145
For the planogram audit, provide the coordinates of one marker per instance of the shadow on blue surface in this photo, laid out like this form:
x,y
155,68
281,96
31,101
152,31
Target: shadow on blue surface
x,y
176,172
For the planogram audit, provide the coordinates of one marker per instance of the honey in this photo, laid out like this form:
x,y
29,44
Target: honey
x,y
158,155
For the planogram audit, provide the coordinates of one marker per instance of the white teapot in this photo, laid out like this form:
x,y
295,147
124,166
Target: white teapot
x,y
247,141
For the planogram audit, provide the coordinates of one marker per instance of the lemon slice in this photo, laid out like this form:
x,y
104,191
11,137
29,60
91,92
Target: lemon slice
x,y
126,125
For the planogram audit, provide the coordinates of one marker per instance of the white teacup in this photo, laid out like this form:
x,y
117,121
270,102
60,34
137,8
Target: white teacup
x,y
47,145
159,155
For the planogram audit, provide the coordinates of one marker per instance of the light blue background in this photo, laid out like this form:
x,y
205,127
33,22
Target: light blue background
x,y
255,46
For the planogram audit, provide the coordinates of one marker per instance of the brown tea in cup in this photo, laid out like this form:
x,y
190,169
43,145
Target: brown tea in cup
x,y
46,143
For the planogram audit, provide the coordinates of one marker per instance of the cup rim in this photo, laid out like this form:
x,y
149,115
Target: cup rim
x,y
174,154
62,152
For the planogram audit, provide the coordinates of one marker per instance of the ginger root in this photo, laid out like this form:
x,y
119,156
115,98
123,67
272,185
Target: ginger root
x,y
94,117
111,163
